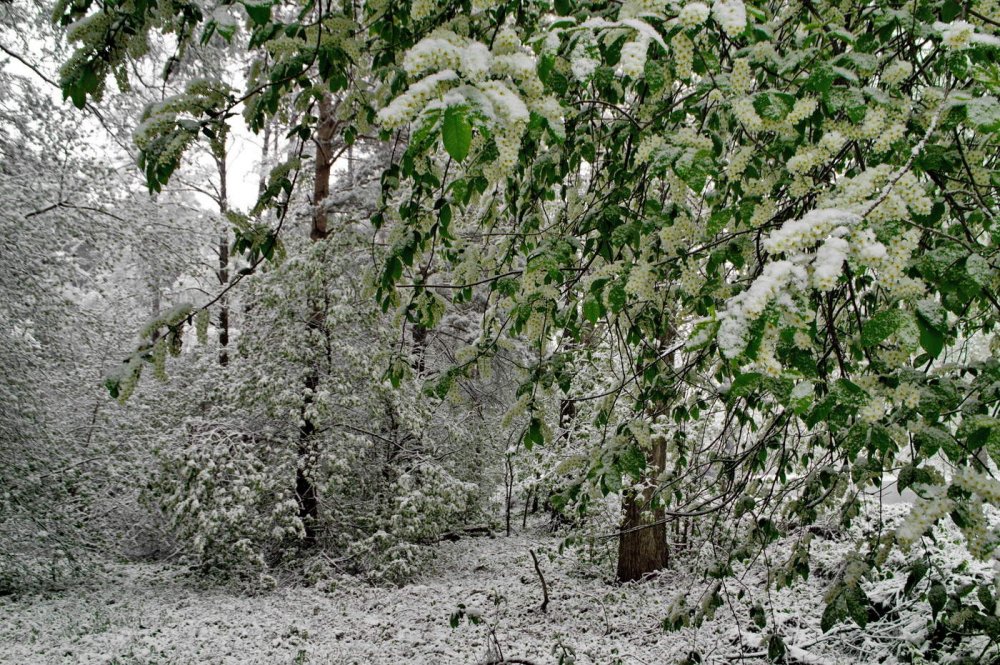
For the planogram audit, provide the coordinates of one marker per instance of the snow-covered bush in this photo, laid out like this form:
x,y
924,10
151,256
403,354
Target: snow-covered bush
x,y
310,406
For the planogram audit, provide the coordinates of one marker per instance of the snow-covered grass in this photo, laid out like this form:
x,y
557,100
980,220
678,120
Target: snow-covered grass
x,y
152,613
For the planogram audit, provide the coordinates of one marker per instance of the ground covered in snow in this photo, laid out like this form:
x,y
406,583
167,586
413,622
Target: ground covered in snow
x,y
144,614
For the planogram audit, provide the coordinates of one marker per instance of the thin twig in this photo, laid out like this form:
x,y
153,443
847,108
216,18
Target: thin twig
x,y
545,588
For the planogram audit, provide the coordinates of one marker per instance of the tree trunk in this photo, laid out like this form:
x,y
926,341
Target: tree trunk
x,y
305,491
642,543
223,272
325,130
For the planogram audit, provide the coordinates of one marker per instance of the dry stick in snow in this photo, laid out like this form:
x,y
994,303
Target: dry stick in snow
x,y
545,589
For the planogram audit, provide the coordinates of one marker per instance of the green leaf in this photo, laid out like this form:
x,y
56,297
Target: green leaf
x,y
617,297
950,10
857,605
773,105
592,310
744,384
882,326
456,132
931,340
986,598
694,167
917,572
775,648
834,613
259,12
937,597
533,434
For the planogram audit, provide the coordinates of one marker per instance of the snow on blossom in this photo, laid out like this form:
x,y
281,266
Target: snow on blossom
x,y
582,65
633,57
829,263
797,235
731,15
403,109
693,14
962,34
742,309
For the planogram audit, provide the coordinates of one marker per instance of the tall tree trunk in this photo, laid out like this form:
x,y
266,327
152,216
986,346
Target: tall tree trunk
x,y
305,490
642,543
325,131
223,272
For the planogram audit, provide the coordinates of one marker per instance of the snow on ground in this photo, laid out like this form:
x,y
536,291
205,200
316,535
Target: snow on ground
x,y
151,613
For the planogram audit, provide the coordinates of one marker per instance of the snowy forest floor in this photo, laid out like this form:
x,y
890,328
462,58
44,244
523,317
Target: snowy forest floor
x,y
152,613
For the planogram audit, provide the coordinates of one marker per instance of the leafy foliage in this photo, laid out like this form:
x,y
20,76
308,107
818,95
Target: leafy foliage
x,y
755,243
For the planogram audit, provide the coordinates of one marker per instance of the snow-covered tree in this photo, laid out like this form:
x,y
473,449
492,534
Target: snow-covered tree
x,y
774,220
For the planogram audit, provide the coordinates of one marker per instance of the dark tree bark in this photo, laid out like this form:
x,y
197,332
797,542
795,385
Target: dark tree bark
x,y
305,490
223,271
642,543
325,131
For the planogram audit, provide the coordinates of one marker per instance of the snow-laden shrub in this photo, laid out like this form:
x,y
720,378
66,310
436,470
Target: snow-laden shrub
x,y
426,501
305,408
228,494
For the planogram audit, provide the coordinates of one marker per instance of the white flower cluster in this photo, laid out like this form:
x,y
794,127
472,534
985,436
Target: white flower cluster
x,y
446,50
691,279
633,57
502,84
648,146
683,55
907,395
692,138
982,540
582,64
731,15
780,279
508,149
506,103
507,42
959,35
693,14
766,362
405,107
896,72
680,234
797,235
745,112
873,411
638,8
890,135
802,109
873,124
741,78
421,9
829,263
979,483
807,158
762,213
771,286
867,250
738,162
927,510
641,282
891,272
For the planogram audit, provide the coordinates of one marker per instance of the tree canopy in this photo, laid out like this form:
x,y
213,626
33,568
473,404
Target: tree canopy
x,y
759,237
